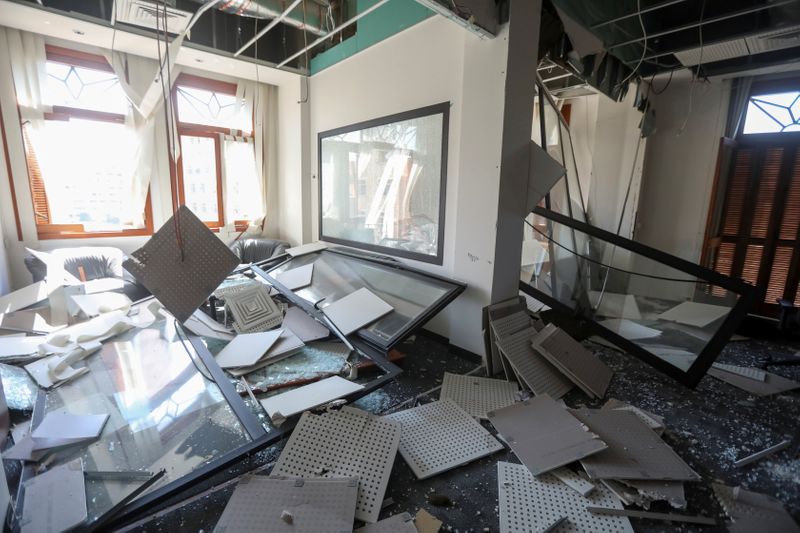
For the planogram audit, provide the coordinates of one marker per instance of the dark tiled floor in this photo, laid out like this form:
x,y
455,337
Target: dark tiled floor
x,y
709,427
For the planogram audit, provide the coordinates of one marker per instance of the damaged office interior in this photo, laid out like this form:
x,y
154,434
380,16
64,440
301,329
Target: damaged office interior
x,y
400,265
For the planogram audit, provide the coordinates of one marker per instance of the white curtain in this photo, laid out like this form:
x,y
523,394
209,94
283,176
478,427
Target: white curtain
x,y
29,70
139,78
260,101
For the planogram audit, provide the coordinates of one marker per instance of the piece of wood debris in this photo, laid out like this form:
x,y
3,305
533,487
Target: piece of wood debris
x,y
672,517
425,522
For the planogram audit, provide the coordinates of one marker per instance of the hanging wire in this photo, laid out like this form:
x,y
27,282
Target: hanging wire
x,y
661,91
644,45
305,44
696,72
169,115
609,267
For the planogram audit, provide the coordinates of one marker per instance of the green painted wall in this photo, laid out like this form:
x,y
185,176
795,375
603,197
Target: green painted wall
x,y
389,19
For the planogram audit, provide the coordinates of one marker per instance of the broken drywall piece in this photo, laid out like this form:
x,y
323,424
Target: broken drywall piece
x,y
535,371
476,395
399,523
287,345
19,346
247,348
772,384
61,429
261,503
55,500
573,481
28,321
634,450
569,356
296,278
654,421
650,491
427,441
745,371
629,329
253,309
282,406
752,511
305,249
694,314
102,302
24,297
614,305
544,435
543,173
534,503
356,310
306,327
425,522
182,263
202,324
345,443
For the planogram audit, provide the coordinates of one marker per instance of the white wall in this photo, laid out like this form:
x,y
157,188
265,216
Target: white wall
x,y
292,134
432,62
679,167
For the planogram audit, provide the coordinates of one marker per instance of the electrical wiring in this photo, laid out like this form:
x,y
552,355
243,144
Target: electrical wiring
x,y
661,91
609,267
696,72
644,45
189,352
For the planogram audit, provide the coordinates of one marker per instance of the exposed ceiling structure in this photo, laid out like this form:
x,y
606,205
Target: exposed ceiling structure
x,y
650,37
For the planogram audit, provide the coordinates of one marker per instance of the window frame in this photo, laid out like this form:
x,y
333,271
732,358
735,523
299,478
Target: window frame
x,y
190,129
442,108
49,230
766,88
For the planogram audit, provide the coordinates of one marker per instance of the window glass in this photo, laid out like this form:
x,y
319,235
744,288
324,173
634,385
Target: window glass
x,y
84,88
199,164
86,167
773,113
382,185
198,106
242,185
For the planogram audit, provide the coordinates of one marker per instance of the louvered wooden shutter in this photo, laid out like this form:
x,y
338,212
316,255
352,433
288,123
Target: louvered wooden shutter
x,y
41,208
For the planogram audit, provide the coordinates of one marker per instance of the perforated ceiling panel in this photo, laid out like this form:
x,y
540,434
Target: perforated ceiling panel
x,y
346,443
539,375
313,504
478,396
399,523
529,503
182,281
439,436
253,310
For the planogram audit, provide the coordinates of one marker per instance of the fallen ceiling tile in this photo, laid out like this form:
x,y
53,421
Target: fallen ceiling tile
x,y
654,421
261,503
543,434
669,491
573,480
477,395
529,503
399,523
634,450
253,309
345,443
182,281
534,370
772,384
584,368
746,371
694,314
439,436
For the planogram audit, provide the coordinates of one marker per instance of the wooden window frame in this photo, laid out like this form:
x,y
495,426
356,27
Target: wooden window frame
x,y
190,129
48,230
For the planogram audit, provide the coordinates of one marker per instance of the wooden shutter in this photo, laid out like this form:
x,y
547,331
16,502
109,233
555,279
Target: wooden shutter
x,y
737,192
41,209
765,197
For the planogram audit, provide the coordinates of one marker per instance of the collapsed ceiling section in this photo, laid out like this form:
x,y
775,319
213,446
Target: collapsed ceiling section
x,y
657,36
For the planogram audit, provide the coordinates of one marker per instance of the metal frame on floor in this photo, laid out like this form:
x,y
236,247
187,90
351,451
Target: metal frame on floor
x,y
748,295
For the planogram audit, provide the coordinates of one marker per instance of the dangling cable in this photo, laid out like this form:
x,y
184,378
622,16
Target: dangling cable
x,y
305,44
168,115
696,72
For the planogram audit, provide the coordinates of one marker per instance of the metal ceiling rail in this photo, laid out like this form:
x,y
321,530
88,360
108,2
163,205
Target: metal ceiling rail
x,y
636,13
274,22
202,9
333,32
705,22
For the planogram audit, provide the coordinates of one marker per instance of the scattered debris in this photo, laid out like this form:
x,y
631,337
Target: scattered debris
x,y
426,522
763,453
439,500
671,517
287,517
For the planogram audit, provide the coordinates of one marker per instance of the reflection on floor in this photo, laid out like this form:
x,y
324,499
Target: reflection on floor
x,y
709,427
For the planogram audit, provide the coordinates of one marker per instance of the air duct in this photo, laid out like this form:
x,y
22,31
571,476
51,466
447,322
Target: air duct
x,y
316,12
